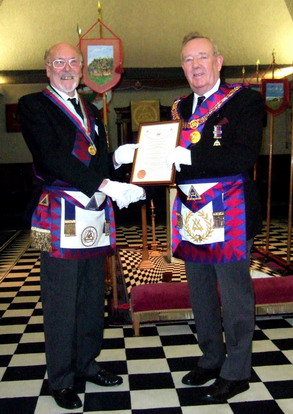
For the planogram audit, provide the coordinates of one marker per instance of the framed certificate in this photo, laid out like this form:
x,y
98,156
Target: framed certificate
x,y
155,141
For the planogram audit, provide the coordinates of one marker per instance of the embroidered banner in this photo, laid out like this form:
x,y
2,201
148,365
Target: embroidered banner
x,y
102,65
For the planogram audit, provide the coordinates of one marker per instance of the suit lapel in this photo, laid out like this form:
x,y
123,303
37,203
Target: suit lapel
x,y
186,107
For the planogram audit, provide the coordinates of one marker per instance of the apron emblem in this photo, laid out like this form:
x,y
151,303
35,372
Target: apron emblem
x,y
44,201
193,194
202,224
89,236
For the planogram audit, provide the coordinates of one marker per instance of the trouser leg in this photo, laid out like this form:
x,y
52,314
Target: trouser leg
x,y
207,313
73,307
58,293
238,317
237,298
90,315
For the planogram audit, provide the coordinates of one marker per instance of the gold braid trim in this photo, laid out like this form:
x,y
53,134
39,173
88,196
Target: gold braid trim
x,y
195,123
174,110
41,239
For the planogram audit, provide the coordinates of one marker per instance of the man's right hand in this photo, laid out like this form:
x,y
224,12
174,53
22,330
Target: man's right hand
x,y
122,193
124,154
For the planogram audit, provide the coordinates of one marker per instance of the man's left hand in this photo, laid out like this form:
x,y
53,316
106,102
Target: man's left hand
x,y
179,155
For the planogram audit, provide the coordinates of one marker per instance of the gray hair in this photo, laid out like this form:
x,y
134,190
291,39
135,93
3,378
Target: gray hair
x,y
48,52
196,35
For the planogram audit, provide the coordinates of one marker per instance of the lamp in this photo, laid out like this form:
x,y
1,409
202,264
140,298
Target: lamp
x,y
279,73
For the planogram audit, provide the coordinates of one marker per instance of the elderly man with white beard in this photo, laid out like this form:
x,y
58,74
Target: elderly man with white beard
x,y
73,222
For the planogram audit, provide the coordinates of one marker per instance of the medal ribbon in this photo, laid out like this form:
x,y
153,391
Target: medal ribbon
x,y
86,127
211,105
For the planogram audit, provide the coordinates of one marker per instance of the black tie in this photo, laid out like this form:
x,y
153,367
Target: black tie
x,y
76,106
200,100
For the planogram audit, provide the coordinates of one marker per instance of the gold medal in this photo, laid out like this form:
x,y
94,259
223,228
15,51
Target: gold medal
x,y
195,137
92,150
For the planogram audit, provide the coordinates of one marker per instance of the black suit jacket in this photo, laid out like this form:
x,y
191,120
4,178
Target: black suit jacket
x,y
242,119
50,136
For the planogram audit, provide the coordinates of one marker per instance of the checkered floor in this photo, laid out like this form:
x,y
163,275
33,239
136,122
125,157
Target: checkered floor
x,y
131,257
278,240
152,365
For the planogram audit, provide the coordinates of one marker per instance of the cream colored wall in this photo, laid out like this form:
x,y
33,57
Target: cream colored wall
x,y
151,30
13,148
281,134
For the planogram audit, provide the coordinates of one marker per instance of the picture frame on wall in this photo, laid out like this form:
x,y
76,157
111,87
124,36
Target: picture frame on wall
x,y
12,122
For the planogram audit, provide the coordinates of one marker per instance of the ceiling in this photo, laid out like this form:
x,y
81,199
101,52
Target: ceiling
x,y
151,31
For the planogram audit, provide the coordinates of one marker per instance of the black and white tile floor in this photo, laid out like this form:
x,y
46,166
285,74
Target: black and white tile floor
x,y
152,365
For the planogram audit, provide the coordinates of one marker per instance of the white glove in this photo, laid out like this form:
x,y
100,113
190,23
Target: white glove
x,y
132,194
179,155
123,193
125,154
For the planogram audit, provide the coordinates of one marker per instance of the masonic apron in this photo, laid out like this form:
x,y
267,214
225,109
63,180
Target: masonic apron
x,y
66,222
208,216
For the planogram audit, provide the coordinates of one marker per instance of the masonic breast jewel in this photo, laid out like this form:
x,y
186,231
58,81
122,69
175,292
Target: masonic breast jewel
x,y
195,136
217,135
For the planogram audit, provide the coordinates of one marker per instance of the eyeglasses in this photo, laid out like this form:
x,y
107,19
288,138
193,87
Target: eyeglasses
x,y
61,63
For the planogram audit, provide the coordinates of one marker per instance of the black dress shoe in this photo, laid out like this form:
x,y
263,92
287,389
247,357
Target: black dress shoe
x,y
200,376
221,390
67,398
105,378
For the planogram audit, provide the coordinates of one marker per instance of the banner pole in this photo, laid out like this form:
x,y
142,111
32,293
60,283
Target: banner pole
x,y
100,18
105,108
105,118
290,198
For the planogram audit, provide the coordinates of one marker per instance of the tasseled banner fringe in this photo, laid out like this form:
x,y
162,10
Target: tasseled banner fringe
x,y
41,240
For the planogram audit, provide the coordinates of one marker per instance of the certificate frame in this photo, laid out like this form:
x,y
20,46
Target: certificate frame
x,y
156,140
